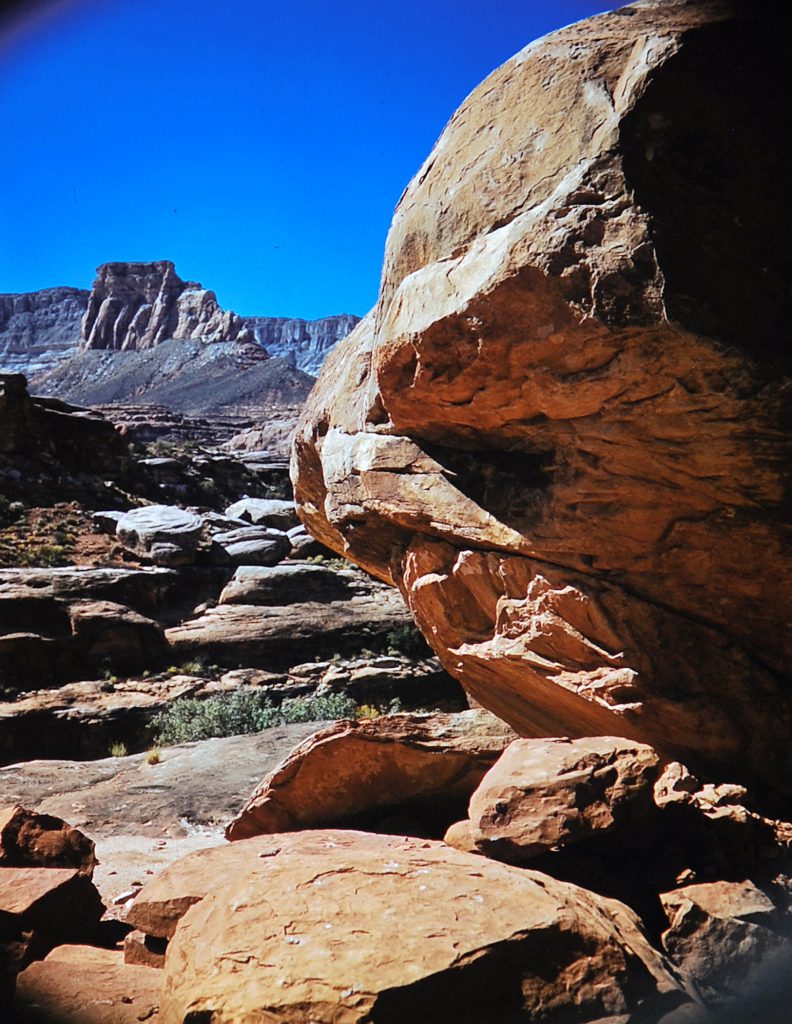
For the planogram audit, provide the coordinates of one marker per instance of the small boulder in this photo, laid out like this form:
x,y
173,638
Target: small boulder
x,y
724,936
306,546
107,520
165,534
265,512
425,766
144,950
546,793
28,839
254,545
284,584
58,904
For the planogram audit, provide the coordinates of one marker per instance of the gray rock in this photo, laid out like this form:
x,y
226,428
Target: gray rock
x,y
165,534
284,584
265,512
305,546
254,545
107,520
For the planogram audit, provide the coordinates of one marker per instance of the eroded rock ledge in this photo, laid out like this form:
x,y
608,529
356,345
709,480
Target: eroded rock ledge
x,y
560,432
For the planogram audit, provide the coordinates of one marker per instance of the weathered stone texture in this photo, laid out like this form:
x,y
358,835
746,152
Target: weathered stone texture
x,y
561,431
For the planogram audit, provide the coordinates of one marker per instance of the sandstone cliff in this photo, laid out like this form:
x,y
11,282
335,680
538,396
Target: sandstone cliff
x,y
135,306
38,329
561,432
303,343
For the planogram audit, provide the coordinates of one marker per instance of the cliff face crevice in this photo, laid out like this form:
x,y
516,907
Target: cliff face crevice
x,y
561,432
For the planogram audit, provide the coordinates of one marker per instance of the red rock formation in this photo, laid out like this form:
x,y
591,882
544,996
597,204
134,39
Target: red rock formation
x,y
396,765
560,433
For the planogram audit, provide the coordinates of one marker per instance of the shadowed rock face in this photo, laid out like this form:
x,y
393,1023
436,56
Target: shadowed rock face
x,y
561,431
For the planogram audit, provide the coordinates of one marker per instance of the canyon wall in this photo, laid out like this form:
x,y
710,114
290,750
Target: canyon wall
x,y
39,329
303,343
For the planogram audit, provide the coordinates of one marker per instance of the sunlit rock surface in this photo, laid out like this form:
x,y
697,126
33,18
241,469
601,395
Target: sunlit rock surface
x,y
561,431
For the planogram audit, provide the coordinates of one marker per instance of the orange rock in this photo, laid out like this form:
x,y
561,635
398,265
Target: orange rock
x,y
561,432
144,950
348,927
424,766
61,904
86,985
728,939
544,794
162,902
28,839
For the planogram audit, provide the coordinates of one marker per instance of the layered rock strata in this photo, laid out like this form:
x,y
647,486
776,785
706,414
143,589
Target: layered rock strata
x,y
560,432
302,343
38,329
135,306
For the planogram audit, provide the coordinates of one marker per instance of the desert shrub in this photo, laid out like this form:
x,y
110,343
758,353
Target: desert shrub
x,y
393,707
118,750
243,711
408,640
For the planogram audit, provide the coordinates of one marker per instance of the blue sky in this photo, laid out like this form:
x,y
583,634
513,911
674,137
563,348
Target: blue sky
x,y
261,146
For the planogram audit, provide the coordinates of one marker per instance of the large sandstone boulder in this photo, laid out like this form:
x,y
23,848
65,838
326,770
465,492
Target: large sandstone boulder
x,y
422,766
560,432
349,927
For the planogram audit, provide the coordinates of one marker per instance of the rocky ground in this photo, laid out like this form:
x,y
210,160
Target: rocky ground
x,y
153,565
560,435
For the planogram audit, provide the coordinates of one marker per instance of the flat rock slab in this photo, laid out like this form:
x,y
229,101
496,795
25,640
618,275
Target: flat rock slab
x,y
350,927
141,816
418,765
86,985
137,588
234,634
286,584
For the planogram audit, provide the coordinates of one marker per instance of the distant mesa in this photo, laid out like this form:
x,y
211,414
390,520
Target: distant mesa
x,y
134,307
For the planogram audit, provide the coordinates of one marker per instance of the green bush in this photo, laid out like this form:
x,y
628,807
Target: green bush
x,y
241,712
407,640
